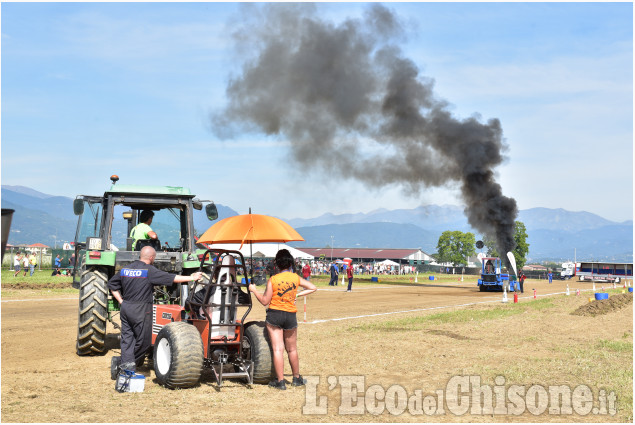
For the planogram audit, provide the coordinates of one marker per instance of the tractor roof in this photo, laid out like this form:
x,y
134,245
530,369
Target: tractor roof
x,y
150,190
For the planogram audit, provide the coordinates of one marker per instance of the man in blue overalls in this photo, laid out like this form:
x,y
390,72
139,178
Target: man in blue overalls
x,y
132,287
334,274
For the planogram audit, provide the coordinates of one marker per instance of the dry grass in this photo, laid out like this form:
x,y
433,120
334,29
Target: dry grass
x,y
533,342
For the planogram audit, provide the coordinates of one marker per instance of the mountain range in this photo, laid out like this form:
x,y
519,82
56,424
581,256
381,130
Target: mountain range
x,y
553,234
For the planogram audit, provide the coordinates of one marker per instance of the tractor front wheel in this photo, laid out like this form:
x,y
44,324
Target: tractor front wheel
x,y
178,355
256,346
93,312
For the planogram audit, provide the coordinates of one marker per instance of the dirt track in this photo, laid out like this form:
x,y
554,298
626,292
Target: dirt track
x,y
43,380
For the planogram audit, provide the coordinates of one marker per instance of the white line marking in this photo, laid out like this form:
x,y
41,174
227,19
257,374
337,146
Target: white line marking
x,y
360,288
424,285
431,308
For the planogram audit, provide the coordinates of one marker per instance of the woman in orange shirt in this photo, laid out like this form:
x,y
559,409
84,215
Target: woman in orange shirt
x,y
281,322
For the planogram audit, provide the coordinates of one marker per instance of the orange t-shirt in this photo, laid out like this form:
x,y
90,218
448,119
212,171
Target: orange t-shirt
x,y
285,285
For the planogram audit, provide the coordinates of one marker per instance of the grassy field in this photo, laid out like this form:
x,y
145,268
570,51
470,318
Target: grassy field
x,y
43,279
39,277
537,342
534,342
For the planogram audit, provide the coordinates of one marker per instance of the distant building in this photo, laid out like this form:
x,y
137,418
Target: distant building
x,y
534,268
38,248
366,255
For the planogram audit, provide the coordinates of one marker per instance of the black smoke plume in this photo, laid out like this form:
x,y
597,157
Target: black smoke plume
x,y
332,89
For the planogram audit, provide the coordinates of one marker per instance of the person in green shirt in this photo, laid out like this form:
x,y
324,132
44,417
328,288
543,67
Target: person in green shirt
x,y
143,229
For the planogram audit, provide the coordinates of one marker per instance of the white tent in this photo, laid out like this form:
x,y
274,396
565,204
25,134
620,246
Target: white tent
x,y
388,262
265,249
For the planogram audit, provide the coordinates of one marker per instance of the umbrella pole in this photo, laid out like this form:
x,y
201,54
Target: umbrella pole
x,y
251,256
251,252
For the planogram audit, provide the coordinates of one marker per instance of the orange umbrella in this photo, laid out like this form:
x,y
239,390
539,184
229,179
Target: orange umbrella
x,y
250,228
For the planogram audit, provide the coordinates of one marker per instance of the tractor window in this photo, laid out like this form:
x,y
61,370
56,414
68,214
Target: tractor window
x,y
90,221
167,225
119,231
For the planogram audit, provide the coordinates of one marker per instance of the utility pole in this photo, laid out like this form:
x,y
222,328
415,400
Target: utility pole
x,y
331,247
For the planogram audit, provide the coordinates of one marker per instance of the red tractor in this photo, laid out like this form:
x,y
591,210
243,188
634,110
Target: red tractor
x,y
208,329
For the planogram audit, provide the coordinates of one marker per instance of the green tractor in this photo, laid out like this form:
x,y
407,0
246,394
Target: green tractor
x,y
100,229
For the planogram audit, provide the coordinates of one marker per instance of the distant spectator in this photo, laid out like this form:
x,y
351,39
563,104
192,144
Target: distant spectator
x,y
16,263
334,273
349,274
521,280
58,262
306,271
25,263
32,263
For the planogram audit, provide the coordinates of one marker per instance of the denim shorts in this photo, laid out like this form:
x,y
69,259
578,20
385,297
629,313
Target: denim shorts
x,y
282,319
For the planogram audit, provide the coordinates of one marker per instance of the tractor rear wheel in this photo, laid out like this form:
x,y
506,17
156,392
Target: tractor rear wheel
x,y
178,355
93,312
256,346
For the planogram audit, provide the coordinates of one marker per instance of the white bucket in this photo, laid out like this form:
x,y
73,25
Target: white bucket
x,y
136,383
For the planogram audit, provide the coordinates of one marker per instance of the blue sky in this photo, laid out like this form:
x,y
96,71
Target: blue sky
x,y
94,89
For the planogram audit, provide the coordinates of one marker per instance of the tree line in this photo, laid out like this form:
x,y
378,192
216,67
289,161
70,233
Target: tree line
x,y
455,246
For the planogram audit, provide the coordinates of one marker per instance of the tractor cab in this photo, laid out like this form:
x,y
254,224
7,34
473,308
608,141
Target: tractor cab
x,y
104,225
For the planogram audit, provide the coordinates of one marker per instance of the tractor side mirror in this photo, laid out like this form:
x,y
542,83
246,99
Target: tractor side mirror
x,y
198,205
211,212
78,206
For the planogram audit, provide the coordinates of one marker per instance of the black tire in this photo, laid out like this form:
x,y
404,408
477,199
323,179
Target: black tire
x,y
115,362
256,346
178,355
481,288
93,312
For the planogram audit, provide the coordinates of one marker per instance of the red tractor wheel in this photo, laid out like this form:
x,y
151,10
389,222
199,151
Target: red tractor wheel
x,y
178,355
